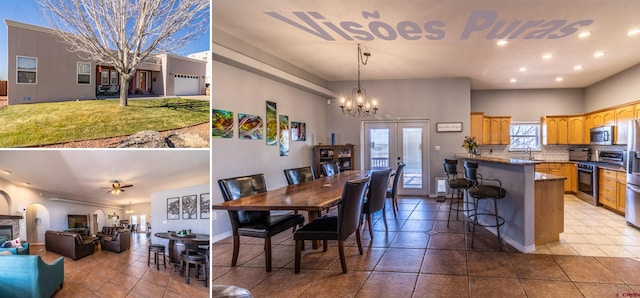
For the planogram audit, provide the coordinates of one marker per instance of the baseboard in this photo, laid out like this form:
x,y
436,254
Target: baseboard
x,y
219,237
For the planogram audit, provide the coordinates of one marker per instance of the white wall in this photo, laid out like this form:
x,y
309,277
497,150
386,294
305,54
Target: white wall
x,y
240,91
159,222
526,105
618,89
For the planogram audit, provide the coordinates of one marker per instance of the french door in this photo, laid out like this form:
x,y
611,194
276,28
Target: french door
x,y
387,143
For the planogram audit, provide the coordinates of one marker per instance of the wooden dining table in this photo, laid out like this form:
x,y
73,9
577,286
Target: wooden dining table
x,y
313,196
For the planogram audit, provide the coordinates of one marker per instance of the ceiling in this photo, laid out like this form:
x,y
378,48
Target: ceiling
x,y
442,39
81,174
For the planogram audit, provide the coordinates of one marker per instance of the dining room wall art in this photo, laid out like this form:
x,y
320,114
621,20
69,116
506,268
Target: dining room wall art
x,y
205,206
272,124
222,124
190,207
173,208
298,131
250,127
284,135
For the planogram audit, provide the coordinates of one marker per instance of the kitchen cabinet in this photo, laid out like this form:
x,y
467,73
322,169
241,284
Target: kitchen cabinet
x,y
608,117
622,117
636,107
612,189
588,125
486,130
548,211
576,130
476,127
556,129
567,170
598,119
490,129
342,154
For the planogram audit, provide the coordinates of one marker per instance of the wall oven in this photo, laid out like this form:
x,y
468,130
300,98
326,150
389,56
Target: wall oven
x,y
588,182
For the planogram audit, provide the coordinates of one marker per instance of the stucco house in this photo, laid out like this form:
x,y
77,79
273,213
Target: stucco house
x,y
42,69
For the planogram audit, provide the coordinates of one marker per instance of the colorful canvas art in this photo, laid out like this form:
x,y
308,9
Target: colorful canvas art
x,y
249,127
272,124
298,131
284,135
222,124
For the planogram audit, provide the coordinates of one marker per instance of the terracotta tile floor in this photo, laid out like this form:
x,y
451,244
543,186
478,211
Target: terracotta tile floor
x,y
125,274
419,256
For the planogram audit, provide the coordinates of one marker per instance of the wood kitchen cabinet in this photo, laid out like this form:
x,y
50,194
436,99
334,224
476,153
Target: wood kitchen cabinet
x,y
598,119
636,108
622,117
588,125
556,129
612,189
490,129
608,117
486,130
576,130
476,127
567,170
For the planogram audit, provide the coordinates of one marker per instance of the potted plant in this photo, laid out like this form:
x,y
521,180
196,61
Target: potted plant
x,y
470,144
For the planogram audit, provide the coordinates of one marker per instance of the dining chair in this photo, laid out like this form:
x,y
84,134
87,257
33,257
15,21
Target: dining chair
x,y
338,227
330,169
259,224
392,192
376,197
299,175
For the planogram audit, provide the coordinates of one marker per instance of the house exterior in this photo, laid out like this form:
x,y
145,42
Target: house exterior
x,y
42,69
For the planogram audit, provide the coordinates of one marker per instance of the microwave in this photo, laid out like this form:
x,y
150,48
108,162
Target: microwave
x,y
602,135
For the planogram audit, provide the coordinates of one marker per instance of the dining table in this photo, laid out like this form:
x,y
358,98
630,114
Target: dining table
x,y
176,243
312,196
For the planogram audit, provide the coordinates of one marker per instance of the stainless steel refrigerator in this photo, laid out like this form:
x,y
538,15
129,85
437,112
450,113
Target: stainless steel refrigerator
x,y
632,212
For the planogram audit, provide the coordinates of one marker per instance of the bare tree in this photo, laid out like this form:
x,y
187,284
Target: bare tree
x,y
124,33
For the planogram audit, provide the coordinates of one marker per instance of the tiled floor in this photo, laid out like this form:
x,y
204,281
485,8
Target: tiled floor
x,y
421,257
125,274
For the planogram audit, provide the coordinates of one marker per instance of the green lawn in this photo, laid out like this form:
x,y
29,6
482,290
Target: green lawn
x,y
49,123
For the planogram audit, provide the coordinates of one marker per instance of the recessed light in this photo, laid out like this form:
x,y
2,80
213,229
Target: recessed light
x,y
523,69
502,42
598,54
577,67
547,56
584,34
6,172
559,79
633,32
513,80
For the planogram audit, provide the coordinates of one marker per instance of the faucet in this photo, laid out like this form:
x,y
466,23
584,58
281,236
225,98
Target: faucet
x,y
530,153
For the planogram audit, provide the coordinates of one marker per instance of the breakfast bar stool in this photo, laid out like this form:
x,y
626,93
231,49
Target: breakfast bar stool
x,y
480,191
459,185
157,249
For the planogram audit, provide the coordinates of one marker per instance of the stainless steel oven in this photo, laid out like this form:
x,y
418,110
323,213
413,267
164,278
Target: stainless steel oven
x,y
588,182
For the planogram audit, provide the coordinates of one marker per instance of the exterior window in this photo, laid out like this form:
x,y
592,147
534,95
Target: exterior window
x,y
27,68
84,73
114,78
104,77
524,135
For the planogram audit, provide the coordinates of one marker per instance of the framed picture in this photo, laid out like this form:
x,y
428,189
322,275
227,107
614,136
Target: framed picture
x,y
173,208
190,207
205,206
449,127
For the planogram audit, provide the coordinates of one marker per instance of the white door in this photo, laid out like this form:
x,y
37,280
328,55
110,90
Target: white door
x,y
387,143
186,85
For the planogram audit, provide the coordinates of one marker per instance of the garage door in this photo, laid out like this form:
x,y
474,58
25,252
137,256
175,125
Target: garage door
x,y
185,85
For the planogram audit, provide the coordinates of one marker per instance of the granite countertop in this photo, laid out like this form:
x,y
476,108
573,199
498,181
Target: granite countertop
x,y
504,161
547,177
613,167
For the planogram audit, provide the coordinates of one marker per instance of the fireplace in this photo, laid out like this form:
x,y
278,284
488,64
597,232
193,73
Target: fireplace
x,y
6,231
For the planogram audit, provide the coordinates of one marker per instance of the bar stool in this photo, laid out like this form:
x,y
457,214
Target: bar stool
x,y
157,249
191,256
480,191
460,185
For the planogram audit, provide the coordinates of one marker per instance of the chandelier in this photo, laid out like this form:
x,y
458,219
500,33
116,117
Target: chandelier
x,y
358,105
130,211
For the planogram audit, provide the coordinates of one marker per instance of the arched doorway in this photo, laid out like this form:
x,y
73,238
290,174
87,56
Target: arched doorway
x,y
98,220
4,203
37,218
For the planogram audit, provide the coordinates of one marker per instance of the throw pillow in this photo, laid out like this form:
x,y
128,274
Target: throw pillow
x,y
6,244
15,243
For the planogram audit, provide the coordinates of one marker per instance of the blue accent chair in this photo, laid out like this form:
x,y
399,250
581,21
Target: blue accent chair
x,y
24,250
29,276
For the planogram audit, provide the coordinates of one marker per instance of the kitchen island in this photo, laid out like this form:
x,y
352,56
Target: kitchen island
x,y
519,207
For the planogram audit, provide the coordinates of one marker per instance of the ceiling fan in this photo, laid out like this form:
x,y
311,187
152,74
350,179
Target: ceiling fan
x,y
116,187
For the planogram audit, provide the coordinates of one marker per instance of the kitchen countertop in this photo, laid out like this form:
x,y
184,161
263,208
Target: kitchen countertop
x,y
504,161
547,177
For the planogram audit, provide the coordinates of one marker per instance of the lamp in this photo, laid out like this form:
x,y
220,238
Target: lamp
x,y
129,211
358,105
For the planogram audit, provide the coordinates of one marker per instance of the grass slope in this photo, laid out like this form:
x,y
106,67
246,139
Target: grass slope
x,y
50,123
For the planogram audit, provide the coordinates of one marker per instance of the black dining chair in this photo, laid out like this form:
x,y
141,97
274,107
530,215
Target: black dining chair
x,y
338,227
299,175
330,169
392,192
376,197
259,224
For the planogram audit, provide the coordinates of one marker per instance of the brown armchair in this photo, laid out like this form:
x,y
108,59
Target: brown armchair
x,y
119,242
68,244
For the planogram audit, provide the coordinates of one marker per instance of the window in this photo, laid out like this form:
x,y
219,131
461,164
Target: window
x,y
84,73
114,78
27,68
524,135
104,77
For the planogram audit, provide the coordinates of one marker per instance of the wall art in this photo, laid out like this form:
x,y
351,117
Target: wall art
x,y
272,124
249,127
284,135
190,207
221,124
173,208
205,206
298,131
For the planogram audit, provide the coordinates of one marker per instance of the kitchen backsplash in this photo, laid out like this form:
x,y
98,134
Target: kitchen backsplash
x,y
548,153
